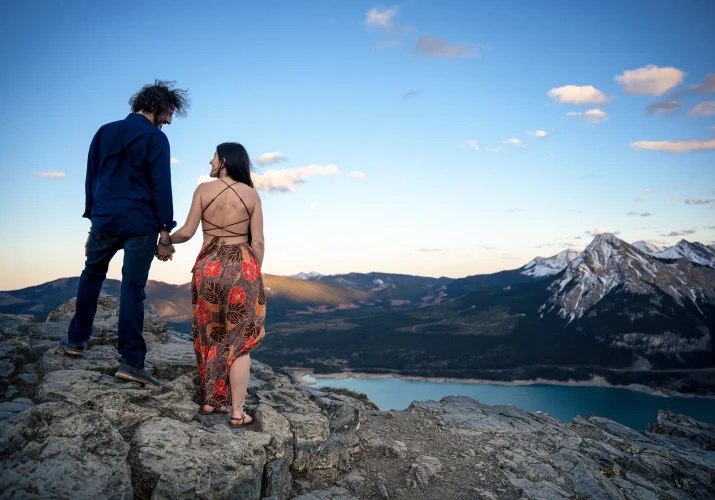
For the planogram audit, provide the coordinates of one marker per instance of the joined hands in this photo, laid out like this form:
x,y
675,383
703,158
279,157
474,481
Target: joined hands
x,y
164,253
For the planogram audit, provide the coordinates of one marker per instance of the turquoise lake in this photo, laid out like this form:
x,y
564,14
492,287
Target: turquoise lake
x,y
632,408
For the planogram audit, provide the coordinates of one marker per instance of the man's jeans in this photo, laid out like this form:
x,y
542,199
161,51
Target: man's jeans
x,y
138,256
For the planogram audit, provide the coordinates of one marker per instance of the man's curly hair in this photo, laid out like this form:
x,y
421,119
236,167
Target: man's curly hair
x,y
161,99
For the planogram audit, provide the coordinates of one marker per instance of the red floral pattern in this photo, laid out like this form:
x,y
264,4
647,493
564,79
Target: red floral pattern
x,y
220,387
237,295
203,313
250,270
228,315
212,269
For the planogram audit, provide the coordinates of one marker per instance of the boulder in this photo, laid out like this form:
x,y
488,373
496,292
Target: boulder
x,y
16,324
8,409
104,329
342,411
102,358
172,359
171,459
265,378
117,401
279,452
59,450
672,424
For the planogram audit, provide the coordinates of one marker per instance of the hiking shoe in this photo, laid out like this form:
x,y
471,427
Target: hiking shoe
x,y
133,374
71,348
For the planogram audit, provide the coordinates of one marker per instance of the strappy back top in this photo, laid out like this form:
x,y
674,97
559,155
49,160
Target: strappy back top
x,y
226,227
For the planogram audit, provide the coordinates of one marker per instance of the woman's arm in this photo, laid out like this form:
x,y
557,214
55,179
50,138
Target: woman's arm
x,y
257,242
187,231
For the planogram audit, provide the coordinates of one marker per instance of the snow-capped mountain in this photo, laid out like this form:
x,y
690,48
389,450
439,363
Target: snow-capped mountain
x,y
694,252
610,264
648,247
548,266
306,276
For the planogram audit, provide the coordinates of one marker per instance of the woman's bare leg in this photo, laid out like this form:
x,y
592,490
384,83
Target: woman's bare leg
x,y
238,378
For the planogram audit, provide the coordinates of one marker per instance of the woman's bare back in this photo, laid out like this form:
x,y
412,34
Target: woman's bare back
x,y
227,208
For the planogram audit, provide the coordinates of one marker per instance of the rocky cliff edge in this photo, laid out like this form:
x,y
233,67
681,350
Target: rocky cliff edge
x,y
69,429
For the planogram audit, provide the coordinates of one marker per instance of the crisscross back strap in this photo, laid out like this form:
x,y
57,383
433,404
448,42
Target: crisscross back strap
x,y
216,227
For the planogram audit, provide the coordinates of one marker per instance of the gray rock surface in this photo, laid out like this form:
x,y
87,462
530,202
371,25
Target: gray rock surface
x,y
172,359
59,450
69,429
104,330
101,358
172,459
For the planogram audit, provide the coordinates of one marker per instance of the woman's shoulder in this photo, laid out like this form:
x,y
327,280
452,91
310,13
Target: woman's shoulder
x,y
245,189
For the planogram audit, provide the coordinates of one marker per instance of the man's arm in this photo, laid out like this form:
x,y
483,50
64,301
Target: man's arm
x,y
88,194
160,174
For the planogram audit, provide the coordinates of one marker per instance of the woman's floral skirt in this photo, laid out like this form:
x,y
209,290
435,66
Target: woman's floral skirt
x,y
228,314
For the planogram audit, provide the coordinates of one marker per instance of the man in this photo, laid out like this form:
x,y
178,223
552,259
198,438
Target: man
x,y
129,203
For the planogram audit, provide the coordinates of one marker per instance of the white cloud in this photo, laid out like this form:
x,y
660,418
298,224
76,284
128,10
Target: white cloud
x,y
312,206
541,134
473,144
674,146
705,108
50,175
205,178
286,180
644,214
574,94
493,150
600,230
377,18
674,197
650,80
175,161
429,249
639,199
383,20
356,174
698,201
592,115
648,190
438,47
270,158
517,143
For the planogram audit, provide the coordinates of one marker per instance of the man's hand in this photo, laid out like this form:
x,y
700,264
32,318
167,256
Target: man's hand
x,y
164,253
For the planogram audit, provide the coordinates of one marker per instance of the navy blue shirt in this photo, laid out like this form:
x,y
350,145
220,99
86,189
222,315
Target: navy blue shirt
x,y
128,185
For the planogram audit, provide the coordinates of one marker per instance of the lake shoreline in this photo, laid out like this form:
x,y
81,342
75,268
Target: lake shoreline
x,y
297,375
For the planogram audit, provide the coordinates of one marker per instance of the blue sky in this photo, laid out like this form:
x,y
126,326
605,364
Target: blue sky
x,y
376,110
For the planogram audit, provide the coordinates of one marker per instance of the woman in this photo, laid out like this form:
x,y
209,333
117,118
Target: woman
x,y
227,295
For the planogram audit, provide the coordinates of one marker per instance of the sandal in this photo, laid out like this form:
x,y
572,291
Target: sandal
x,y
242,420
222,410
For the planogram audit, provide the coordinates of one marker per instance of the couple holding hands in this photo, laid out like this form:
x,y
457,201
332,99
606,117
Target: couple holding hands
x,y
129,203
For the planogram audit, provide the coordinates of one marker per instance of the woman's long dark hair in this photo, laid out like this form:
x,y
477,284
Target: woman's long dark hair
x,y
238,166
237,163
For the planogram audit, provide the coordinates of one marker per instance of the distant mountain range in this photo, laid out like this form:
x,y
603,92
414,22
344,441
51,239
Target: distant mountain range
x,y
635,312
